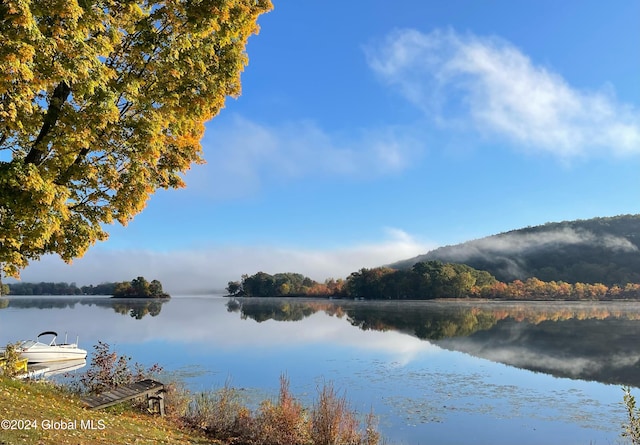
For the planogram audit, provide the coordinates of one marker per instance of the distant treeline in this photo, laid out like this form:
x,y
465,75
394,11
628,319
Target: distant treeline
x,y
61,288
425,281
136,288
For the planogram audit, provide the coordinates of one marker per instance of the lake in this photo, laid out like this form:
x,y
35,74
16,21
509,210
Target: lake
x,y
433,372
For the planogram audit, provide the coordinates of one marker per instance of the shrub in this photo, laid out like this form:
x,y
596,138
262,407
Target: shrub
x,y
631,429
218,413
285,422
177,399
108,370
10,360
333,422
371,434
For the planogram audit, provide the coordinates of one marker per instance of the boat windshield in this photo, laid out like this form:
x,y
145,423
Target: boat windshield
x,y
28,343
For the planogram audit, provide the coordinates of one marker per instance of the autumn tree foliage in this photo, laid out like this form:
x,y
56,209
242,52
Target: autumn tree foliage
x,y
262,284
139,288
101,103
426,281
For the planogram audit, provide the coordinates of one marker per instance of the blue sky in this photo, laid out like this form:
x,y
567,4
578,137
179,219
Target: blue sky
x,y
367,133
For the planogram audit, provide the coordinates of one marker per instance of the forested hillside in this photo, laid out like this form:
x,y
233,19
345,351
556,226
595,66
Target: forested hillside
x,y
599,250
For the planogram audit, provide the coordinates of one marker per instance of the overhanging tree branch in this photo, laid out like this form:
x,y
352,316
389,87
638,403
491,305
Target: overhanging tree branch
x,y
58,98
100,160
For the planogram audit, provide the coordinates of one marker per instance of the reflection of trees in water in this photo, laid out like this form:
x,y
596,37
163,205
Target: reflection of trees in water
x,y
603,350
591,342
426,323
278,309
430,321
136,308
40,303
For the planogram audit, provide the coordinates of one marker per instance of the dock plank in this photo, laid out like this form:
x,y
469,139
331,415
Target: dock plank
x,y
147,387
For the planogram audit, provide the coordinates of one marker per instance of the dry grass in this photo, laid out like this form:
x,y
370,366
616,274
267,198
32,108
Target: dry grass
x,y
217,413
332,420
284,422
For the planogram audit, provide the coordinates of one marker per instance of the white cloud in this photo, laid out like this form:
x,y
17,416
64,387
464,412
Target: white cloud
x,y
499,90
186,271
241,154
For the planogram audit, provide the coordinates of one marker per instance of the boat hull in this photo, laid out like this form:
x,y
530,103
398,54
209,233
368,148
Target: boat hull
x,y
53,354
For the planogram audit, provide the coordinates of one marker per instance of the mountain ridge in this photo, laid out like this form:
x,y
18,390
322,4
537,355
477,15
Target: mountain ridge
x,y
597,250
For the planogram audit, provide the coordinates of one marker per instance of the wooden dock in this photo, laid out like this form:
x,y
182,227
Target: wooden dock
x,y
153,390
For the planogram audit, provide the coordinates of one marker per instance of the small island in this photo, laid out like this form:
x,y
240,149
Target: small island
x,y
139,288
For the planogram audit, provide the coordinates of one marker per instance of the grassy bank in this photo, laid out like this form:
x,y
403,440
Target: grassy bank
x,y
43,414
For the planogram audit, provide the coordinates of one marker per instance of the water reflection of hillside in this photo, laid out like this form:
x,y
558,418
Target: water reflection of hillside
x,y
135,307
576,340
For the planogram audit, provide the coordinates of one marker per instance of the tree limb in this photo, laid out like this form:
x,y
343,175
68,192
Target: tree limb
x,y
59,97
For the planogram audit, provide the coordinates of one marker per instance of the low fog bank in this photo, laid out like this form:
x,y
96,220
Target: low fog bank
x,y
209,270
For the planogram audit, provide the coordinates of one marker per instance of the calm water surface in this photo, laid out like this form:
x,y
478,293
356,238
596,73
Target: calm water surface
x,y
445,373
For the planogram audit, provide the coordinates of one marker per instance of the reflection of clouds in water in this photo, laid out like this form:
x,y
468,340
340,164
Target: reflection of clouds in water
x,y
206,324
521,357
574,366
318,328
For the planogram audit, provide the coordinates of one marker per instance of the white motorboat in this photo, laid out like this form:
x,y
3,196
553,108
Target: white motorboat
x,y
37,352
